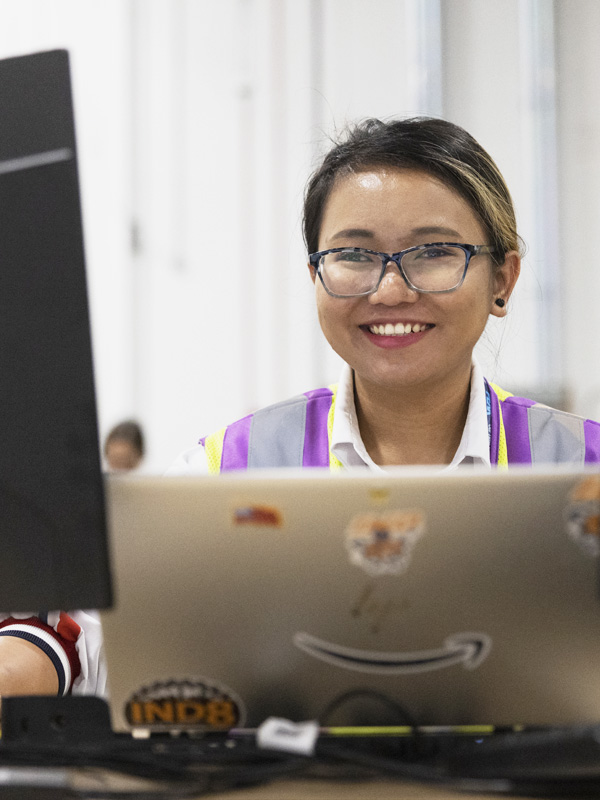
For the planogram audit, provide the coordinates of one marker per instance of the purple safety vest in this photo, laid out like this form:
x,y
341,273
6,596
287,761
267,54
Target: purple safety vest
x,y
294,433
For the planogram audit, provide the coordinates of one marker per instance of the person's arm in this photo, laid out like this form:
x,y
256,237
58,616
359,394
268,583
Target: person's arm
x,y
39,653
63,653
25,668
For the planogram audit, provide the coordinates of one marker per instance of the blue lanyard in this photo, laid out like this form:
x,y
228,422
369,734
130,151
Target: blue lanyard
x,y
488,408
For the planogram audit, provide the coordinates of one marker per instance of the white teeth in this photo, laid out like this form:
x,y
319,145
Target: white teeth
x,y
399,329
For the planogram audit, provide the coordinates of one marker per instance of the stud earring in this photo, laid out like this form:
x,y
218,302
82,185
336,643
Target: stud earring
x,y
500,302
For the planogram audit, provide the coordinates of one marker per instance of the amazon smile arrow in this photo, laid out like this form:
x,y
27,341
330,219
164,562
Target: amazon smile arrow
x,y
468,649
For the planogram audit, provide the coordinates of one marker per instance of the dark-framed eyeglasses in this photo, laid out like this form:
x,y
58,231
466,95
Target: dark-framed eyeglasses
x,y
354,271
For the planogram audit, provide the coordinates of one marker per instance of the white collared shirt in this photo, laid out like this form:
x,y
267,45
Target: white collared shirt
x,y
346,441
347,444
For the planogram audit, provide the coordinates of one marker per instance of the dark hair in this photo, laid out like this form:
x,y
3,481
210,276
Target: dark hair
x,y
129,431
435,146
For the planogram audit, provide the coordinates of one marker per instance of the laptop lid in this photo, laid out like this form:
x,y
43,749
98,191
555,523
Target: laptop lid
x,y
443,599
52,515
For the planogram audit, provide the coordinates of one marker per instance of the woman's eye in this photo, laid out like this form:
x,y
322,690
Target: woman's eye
x,y
353,257
436,252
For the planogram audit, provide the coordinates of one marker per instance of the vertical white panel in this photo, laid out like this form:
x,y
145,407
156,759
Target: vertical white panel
x,y
539,175
158,257
191,255
422,42
578,34
246,132
269,188
303,364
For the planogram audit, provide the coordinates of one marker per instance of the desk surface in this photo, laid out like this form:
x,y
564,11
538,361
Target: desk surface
x,y
96,782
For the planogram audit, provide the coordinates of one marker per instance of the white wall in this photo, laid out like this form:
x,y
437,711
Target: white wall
x,y
198,124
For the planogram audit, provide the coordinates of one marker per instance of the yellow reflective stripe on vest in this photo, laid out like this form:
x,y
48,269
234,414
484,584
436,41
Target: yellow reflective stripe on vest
x,y
502,393
502,449
213,447
334,463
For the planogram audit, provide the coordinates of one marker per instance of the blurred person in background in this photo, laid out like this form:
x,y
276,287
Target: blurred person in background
x,y
124,447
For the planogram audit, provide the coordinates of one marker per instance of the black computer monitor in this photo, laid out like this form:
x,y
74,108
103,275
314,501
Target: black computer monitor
x,y
53,543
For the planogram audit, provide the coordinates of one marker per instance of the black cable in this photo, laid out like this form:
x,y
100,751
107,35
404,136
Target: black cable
x,y
401,715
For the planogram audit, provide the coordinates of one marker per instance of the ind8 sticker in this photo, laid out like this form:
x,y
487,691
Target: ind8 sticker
x,y
184,705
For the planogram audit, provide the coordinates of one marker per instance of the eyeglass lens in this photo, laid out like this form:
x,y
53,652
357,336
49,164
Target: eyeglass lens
x,y
436,268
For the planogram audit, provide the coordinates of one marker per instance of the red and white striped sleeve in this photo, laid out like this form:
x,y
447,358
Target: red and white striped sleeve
x,y
71,640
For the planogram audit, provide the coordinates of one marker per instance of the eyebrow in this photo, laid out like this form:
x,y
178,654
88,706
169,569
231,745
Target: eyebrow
x,y
436,230
350,233
426,230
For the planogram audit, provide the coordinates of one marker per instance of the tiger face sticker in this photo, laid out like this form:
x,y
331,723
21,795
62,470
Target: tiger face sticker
x,y
381,543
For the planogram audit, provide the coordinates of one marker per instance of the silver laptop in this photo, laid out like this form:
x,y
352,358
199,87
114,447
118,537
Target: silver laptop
x,y
413,597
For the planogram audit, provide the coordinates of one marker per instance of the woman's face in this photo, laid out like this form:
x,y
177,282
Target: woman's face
x,y
388,210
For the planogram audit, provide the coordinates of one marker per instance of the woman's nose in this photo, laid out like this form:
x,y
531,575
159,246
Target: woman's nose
x,y
393,289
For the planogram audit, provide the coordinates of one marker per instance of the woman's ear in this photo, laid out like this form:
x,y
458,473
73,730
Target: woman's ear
x,y
505,277
312,270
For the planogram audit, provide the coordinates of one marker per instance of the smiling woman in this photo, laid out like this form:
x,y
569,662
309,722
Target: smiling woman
x,y
412,244
410,339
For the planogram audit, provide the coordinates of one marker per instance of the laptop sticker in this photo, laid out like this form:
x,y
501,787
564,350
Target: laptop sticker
x,y
582,515
257,515
381,543
191,704
468,649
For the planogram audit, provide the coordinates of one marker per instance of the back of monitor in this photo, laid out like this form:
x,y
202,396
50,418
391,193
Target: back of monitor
x,y
52,518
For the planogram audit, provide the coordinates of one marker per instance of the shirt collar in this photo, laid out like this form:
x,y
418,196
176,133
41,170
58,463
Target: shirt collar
x,y
474,447
347,444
